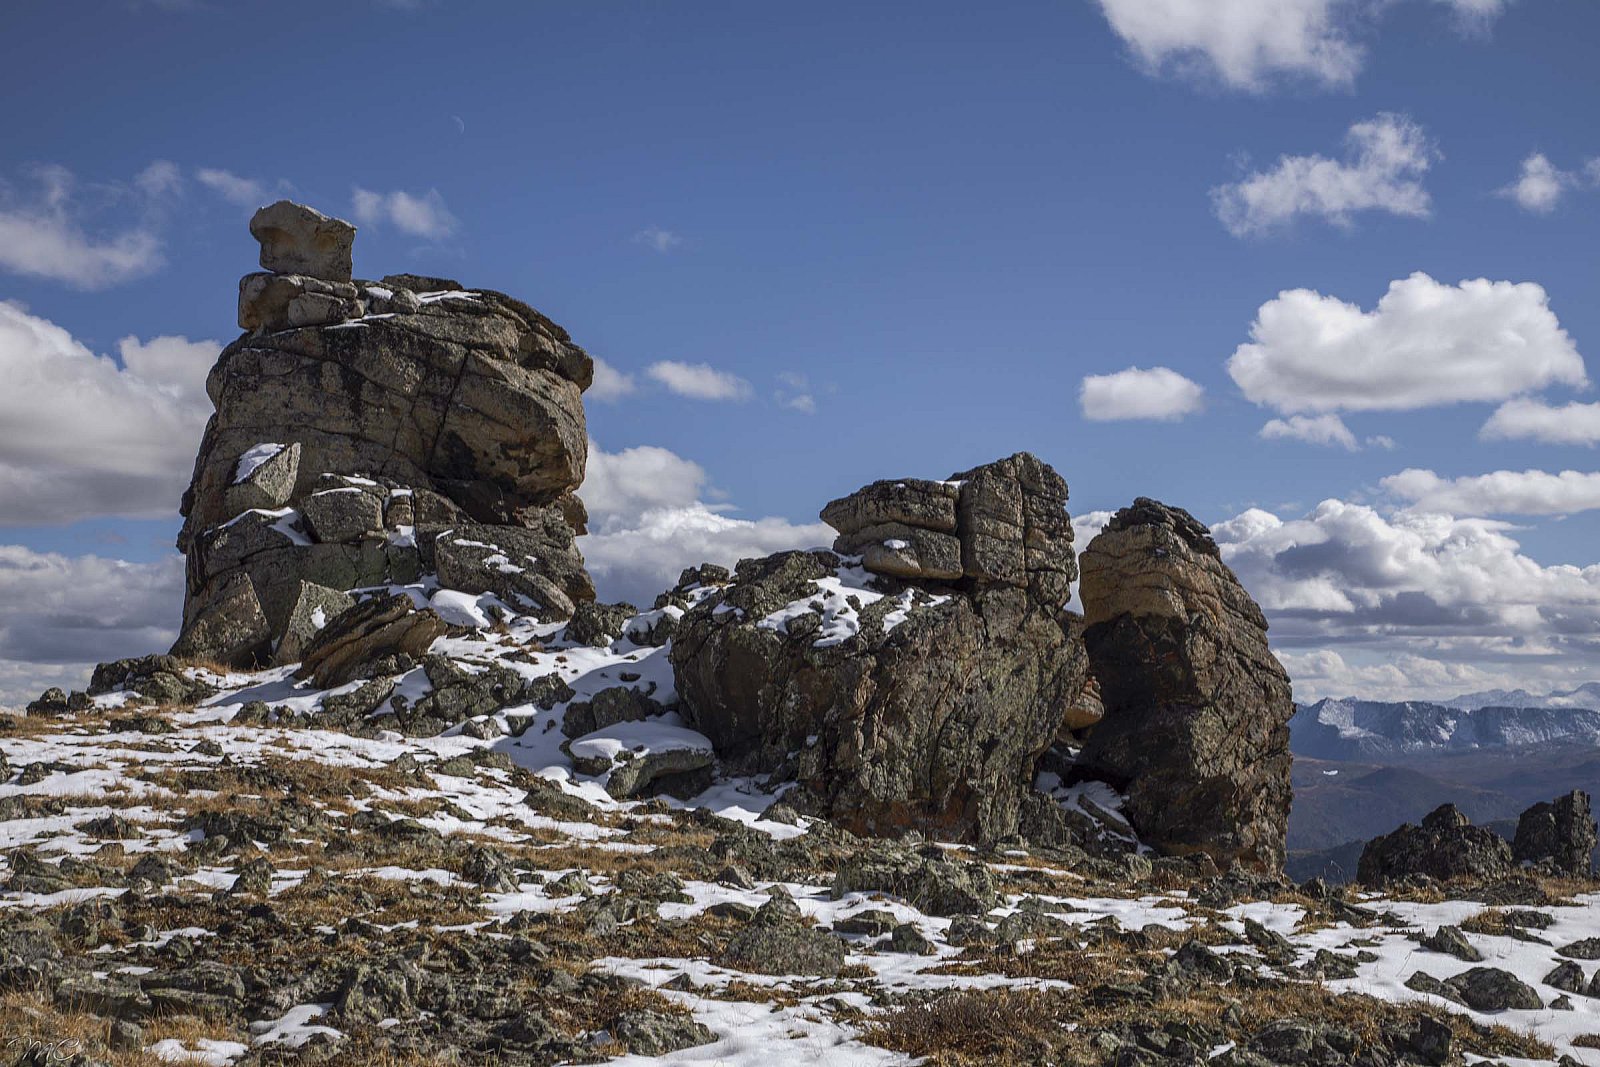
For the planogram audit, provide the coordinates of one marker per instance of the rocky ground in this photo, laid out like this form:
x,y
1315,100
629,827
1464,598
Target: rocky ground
x,y
242,868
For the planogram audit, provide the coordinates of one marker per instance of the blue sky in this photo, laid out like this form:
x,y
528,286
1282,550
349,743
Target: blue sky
x,y
835,242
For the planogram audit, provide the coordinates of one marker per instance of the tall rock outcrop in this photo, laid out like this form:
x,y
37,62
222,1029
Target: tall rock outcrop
x,y
1560,833
368,433
910,678
1196,708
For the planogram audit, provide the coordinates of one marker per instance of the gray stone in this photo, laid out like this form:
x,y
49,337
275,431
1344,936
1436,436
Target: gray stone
x,y
537,571
597,624
910,501
269,486
296,239
935,725
1452,942
230,629
314,606
1444,847
1560,833
784,949
343,514
657,1033
1567,977
1491,989
648,771
382,626
932,884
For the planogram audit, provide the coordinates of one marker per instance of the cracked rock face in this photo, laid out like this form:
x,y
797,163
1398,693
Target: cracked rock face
x,y
1195,706
358,421
898,697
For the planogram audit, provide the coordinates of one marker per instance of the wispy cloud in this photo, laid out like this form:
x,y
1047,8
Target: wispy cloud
x,y
699,381
657,239
46,232
420,215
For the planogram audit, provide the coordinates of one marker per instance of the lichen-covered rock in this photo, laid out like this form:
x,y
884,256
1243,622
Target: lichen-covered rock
x,y
314,607
896,705
229,627
1445,846
535,569
1195,706
400,410
1560,833
264,478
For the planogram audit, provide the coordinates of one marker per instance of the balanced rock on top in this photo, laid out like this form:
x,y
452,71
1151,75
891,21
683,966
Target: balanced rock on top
x,y
358,423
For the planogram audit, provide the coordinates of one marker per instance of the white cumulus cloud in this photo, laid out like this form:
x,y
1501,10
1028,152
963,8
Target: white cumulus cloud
x,y
48,233
420,215
1385,160
1135,393
81,436
1426,343
610,384
1326,430
698,381
649,521
1409,605
245,192
1244,44
1541,185
657,239
1530,419
1252,44
1530,492
59,615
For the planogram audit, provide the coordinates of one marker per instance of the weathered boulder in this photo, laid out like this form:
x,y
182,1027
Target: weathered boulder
x,y
229,627
1560,833
1195,706
382,626
535,569
314,607
358,421
296,239
1445,846
895,704
263,479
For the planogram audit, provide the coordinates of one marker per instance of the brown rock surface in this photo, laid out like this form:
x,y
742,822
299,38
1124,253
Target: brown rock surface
x,y
1196,707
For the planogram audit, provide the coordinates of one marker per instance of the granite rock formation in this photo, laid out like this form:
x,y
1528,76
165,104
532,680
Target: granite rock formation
x,y
911,678
1195,706
1445,846
1559,833
368,433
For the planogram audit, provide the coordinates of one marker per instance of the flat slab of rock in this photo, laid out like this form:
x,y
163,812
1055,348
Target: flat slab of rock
x,y
296,239
382,626
314,607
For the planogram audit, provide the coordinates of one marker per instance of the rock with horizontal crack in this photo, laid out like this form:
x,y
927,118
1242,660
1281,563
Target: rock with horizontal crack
x,y
898,702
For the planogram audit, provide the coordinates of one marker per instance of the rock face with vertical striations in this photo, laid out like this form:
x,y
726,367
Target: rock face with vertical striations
x,y
1559,833
359,423
910,678
1196,708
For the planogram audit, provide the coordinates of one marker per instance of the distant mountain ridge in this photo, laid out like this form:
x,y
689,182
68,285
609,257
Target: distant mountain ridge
x,y
1352,729
1586,696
